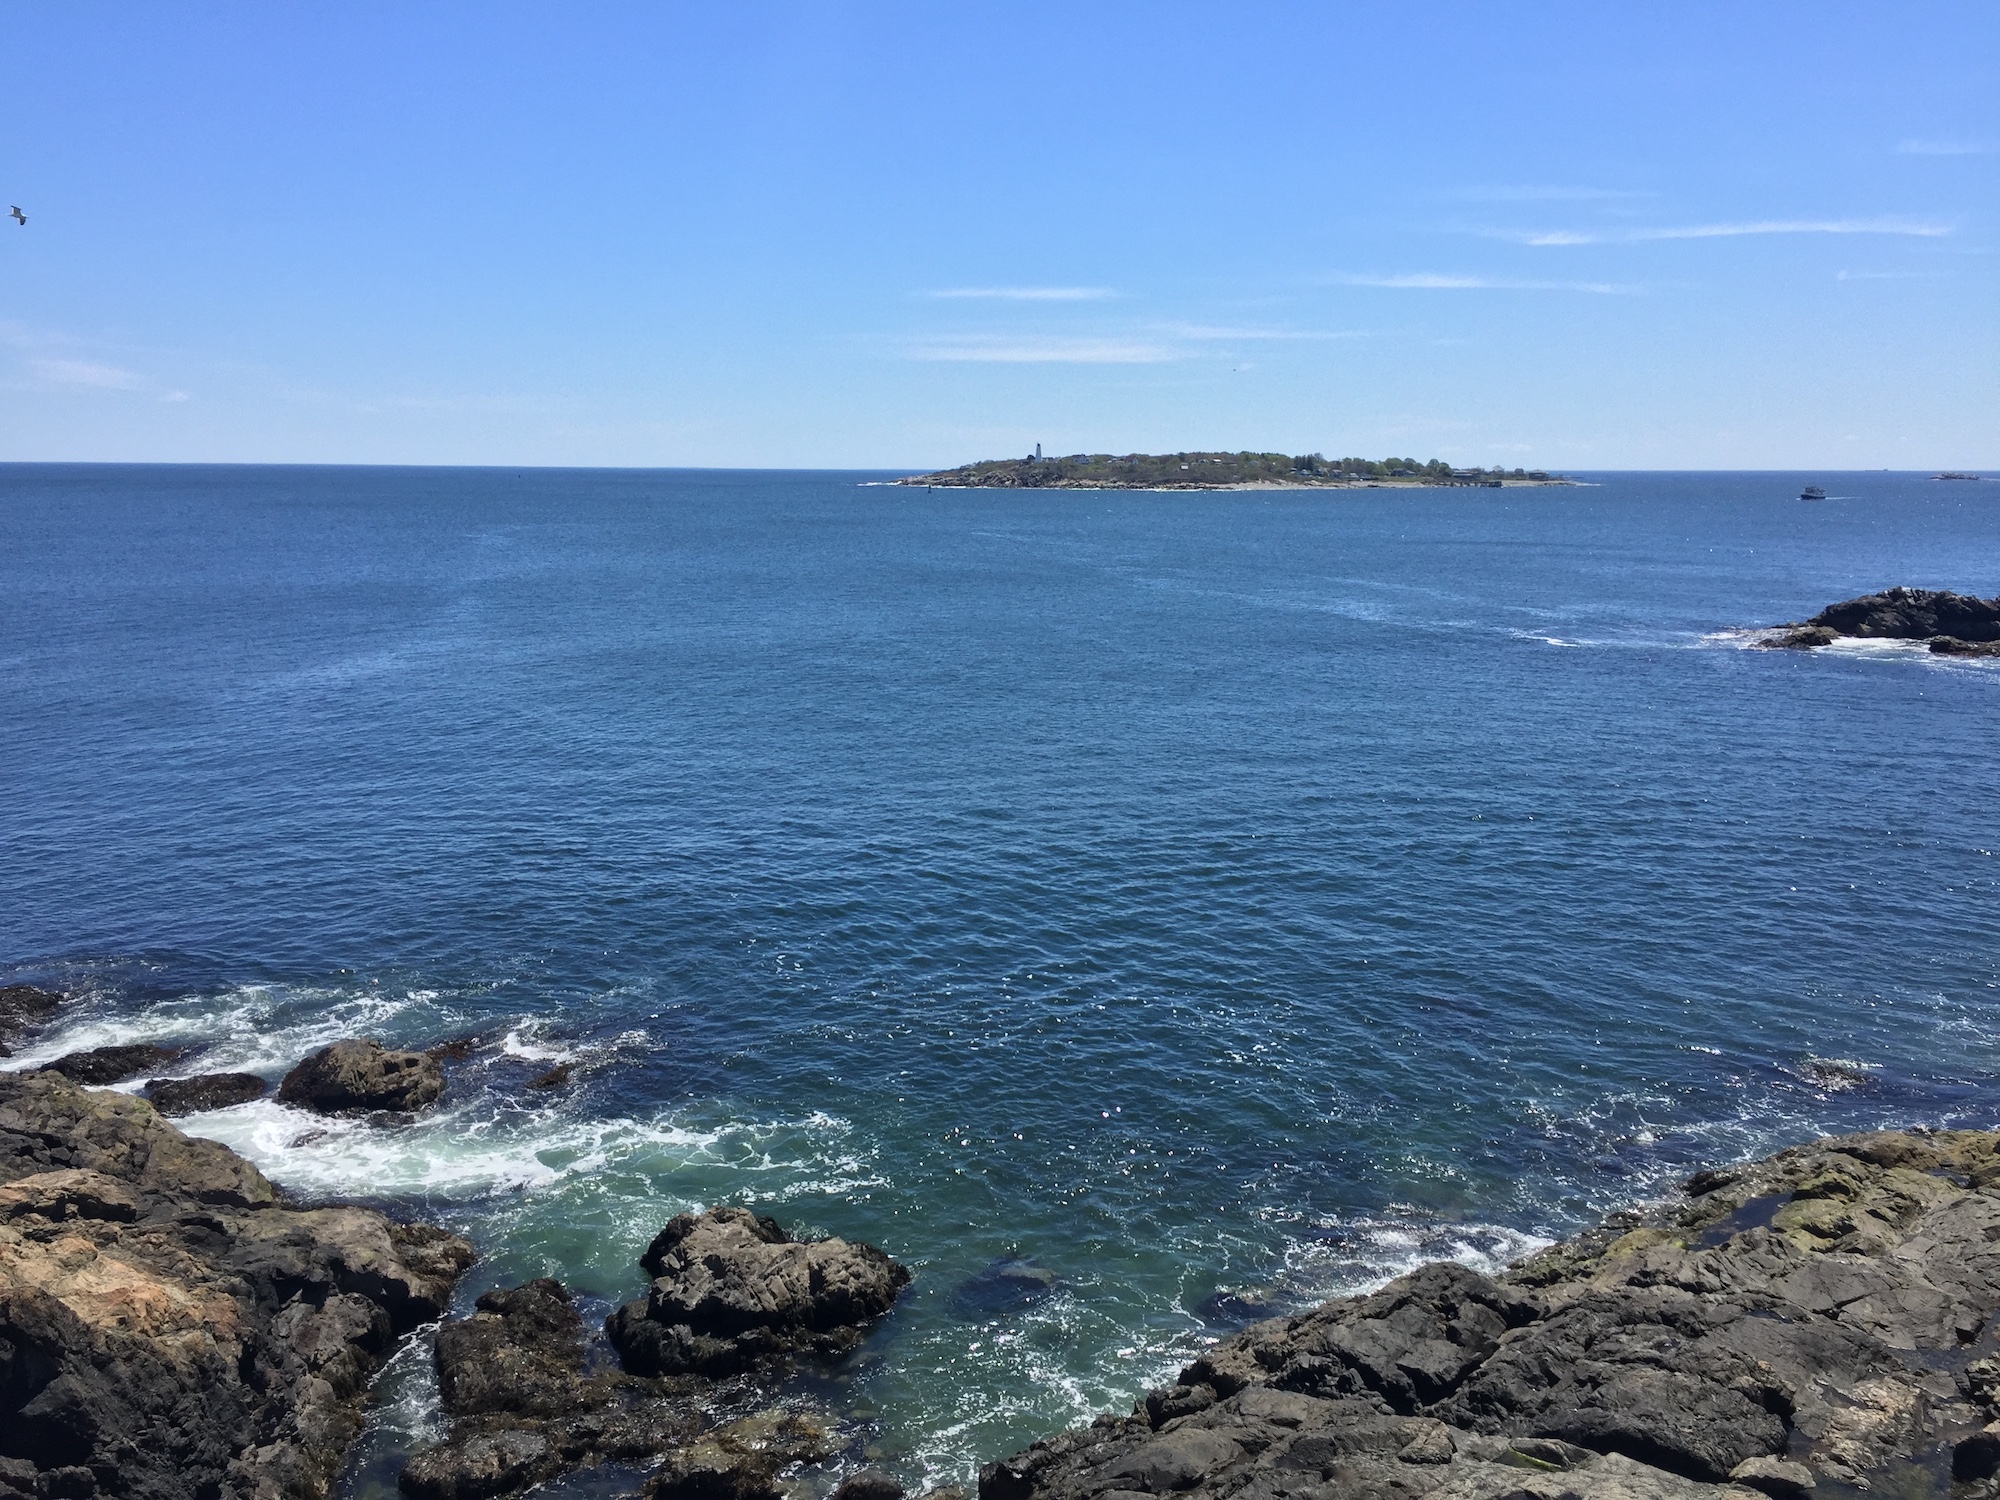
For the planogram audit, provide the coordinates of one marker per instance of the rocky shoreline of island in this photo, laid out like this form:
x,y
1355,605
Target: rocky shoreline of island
x,y
174,1325
1224,471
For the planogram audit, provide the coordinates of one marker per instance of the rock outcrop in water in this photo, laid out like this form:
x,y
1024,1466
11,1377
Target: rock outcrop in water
x,y
731,1290
361,1077
1955,624
746,1299
192,1096
22,1009
1817,1319
102,1065
170,1329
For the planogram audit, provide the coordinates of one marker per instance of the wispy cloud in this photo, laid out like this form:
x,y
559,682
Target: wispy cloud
x,y
1208,332
1547,195
1027,293
83,372
1426,282
1925,229
1041,351
1884,275
1948,148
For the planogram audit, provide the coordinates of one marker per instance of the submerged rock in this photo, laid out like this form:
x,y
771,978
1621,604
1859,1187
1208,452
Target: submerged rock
x,y
1008,1285
23,1007
169,1329
359,1077
732,1290
102,1065
1804,1319
191,1096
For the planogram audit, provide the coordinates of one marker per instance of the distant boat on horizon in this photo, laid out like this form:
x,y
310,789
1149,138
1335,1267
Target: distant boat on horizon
x,y
1812,492
1954,474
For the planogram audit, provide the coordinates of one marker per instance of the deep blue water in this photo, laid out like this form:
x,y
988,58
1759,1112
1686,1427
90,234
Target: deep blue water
x,y
1190,892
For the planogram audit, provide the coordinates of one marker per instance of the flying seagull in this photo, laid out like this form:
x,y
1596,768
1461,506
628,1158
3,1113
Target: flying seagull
x,y
16,215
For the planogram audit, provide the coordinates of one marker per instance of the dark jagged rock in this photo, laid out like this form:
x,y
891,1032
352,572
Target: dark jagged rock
x,y
22,1008
168,1329
1801,638
869,1484
524,1410
731,1290
1951,645
102,1065
1799,1321
556,1078
360,1077
1905,614
191,1096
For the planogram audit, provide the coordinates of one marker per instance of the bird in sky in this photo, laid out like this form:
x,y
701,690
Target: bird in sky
x,y
15,213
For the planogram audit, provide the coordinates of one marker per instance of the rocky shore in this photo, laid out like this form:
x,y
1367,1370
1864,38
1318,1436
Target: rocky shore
x,y
1953,624
172,1327
1821,1320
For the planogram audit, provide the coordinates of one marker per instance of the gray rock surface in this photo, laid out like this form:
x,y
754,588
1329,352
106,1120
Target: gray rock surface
x,y
1802,1321
732,1290
169,1330
358,1077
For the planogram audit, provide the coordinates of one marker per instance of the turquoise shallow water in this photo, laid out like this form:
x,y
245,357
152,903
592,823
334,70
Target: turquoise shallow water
x,y
1197,894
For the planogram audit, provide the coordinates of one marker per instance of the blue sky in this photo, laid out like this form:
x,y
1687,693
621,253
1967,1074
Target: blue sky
x,y
1598,235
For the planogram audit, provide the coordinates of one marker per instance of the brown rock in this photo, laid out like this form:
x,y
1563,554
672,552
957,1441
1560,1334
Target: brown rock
x,y
168,1330
360,1077
732,1290
742,1461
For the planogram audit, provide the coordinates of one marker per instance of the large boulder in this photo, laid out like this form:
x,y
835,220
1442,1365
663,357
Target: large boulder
x,y
1803,1320
359,1077
1913,615
731,1290
168,1329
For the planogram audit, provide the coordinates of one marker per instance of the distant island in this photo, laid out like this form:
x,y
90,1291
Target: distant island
x,y
1220,471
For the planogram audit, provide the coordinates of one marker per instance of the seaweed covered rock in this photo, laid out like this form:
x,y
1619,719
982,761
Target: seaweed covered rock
x,y
1809,1318
359,1077
168,1329
731,1289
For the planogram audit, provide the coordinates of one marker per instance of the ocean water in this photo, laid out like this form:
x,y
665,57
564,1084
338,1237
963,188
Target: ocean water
x,y
1212,899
